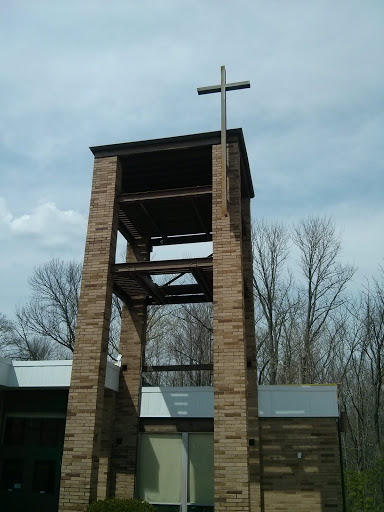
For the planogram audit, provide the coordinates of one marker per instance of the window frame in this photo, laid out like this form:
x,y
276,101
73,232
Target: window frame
x,y
184,504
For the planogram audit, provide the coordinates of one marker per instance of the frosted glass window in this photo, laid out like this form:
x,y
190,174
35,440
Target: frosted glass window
x,y
200,470
160,468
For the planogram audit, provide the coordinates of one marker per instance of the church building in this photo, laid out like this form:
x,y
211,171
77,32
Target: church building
x,y
77,431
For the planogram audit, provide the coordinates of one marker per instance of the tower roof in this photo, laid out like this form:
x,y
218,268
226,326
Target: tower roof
x,y
174,162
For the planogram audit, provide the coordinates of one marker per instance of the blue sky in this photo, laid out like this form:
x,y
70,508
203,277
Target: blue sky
x,y
84,73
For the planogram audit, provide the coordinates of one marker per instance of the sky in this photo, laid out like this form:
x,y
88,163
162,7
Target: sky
x,y
83,73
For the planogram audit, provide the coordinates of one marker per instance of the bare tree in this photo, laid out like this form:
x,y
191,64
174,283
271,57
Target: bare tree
x,y
45,327
157,338
372,345
15,343
273,293
5,335
179,335
325,280
191,342
52,312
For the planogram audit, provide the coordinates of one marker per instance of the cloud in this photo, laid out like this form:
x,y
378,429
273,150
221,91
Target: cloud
x,y
46,224
81,74
30,239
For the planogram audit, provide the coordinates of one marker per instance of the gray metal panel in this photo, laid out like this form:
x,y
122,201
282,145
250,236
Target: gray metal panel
x,y
305,401
302,401
5,369
274,402
112,376
183,402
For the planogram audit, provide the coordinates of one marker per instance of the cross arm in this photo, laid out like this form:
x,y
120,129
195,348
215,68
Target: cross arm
x,y
228,87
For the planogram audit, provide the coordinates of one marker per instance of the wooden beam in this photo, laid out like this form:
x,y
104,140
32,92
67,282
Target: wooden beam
x,y
178,368
198,274
180,299
181,289
127,235
165,194
181,239
153,223
203,226
163,267
151,287
119,292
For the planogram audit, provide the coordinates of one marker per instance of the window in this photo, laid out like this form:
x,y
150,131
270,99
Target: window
x,y
176,471
160,468
51,431
12,475
200,470
14,431
44,476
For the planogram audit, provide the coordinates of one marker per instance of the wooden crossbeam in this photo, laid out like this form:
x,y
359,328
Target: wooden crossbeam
x,y
165,194
177,368
163,267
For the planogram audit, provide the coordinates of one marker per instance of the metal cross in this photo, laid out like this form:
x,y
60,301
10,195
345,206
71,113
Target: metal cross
x,y
223,88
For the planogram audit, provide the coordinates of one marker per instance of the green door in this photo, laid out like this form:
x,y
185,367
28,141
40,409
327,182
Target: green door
x,y
30,459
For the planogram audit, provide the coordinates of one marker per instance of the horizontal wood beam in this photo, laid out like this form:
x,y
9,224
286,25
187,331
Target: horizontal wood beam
x,y
177,368
180,299
165,194
162,267
180,289
181,239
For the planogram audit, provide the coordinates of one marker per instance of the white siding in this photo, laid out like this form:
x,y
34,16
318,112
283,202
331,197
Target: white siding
x,y
47,374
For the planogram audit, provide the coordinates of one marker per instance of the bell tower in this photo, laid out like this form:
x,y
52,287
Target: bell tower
x,y
164,192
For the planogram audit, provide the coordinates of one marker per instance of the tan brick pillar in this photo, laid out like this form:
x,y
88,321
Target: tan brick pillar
x,y
229,347
83,431
252,398
132,340
103,485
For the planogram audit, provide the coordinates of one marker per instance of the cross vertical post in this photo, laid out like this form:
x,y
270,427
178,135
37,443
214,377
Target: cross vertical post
x,y
223,88
224,197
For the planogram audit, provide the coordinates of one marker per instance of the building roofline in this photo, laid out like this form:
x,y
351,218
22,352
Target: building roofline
x,y
179,142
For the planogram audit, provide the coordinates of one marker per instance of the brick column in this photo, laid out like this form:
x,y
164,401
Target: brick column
x,y
83,431
103,485
133,330
229,352
250,342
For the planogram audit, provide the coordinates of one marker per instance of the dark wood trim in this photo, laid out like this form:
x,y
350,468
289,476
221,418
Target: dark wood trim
x,y
163,267
177,368
165,194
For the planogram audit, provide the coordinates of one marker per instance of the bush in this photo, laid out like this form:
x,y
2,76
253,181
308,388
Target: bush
x,y
120,505
365,488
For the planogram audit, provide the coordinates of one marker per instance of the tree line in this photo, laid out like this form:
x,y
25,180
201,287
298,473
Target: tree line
x,y
312,326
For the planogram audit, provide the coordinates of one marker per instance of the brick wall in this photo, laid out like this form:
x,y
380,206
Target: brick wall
x,y
132,342
250,343
103,485
310,483
229,351
80,465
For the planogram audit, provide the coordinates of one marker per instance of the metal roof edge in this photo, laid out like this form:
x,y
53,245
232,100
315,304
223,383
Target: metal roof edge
x,y
168,143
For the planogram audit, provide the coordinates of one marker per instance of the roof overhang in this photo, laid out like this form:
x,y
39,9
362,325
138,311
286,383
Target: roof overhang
x,y
46,374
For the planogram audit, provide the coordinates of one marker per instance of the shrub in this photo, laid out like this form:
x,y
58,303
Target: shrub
x,y
120,505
